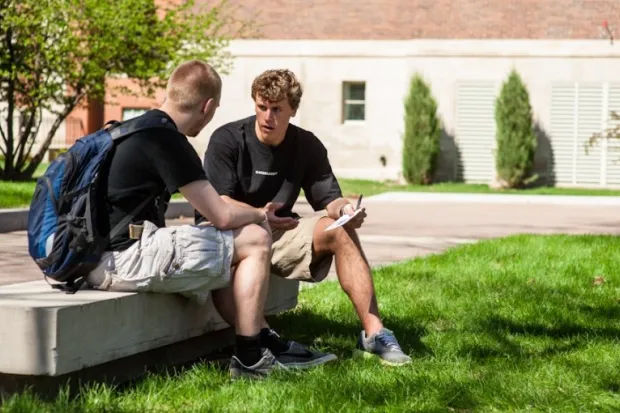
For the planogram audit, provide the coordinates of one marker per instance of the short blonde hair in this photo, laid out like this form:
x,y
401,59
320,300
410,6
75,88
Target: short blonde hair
x,y
275,85
191,83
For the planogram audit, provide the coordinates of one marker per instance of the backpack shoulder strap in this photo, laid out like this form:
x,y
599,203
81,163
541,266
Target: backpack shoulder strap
x,y
120,130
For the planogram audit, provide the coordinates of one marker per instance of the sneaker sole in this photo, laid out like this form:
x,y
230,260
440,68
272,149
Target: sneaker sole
x,y
311,363
371,356
240,373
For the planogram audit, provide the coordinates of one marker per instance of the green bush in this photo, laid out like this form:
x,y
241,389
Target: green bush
x,y
422,134
516,140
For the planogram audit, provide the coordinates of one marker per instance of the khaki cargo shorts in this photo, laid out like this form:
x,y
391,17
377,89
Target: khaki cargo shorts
x,y
188,259
293,257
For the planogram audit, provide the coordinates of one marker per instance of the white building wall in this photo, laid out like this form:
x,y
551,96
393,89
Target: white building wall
x,y
386,67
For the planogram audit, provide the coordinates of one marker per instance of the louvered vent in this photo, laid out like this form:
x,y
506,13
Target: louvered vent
x,y
589,121
475,130
563,126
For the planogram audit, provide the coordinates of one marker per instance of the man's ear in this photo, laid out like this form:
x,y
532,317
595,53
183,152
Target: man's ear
x,y
294,113
208,106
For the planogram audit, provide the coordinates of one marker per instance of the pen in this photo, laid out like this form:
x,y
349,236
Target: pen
x,y
359,202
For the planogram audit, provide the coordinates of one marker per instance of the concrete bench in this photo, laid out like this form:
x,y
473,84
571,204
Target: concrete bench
x,y
45,332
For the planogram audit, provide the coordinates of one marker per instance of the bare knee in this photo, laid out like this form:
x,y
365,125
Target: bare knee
x,y
341,237
259,238
252,240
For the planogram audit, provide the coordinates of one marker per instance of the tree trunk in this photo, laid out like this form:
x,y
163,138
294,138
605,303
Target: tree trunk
x,y
95,115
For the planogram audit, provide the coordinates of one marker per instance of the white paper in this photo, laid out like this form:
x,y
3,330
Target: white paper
x,y
342,220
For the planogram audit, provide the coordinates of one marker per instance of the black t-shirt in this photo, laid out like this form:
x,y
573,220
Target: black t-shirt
x,y
160,160
240,166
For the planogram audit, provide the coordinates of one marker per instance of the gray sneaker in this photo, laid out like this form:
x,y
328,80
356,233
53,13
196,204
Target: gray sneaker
x,y
263,367
383,345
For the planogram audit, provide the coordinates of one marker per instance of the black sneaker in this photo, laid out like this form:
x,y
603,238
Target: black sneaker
x,y
298,356
264,367
295,355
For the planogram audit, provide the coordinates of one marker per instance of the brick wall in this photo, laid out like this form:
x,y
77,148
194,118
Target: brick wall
x,y
406,19
439,19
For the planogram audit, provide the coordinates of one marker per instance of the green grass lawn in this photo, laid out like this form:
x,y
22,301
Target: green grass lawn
x,y
525,323
17,194
354,187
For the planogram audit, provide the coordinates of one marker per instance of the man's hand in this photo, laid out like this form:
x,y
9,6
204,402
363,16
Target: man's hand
x,y
276,222
358,220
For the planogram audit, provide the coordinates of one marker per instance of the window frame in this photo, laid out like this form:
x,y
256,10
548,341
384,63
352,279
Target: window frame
x,y
134,108
346,102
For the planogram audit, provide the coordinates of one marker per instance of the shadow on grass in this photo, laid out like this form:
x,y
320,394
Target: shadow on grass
x,y
608,312
563,330
306,326
505,334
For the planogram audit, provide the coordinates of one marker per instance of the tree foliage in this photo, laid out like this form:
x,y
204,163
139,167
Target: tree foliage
x,y
612,132
516,140
54,53
422,134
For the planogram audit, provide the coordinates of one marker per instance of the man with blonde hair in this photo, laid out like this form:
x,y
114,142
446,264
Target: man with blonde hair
x,y
263,159
146,256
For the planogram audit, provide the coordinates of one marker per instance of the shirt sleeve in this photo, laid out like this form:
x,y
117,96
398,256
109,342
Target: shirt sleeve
x,y
220,162
320,184
175,160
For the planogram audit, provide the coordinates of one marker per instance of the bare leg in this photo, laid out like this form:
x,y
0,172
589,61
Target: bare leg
x,y
224,301
250,280
352,269
225,304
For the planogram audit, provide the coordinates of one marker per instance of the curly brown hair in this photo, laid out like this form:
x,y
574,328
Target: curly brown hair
x,y
277,84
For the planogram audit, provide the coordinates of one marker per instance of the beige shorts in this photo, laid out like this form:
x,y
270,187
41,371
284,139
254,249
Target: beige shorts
x,y
187,259
293,257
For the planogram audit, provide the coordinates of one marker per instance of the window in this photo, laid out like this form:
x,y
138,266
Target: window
x,y
354,102
129,113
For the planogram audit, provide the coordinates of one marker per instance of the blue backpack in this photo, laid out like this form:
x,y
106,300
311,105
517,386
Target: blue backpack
x,y
68,224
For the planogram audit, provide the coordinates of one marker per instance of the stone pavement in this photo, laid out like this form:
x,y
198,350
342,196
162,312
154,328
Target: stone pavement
x,y
398,231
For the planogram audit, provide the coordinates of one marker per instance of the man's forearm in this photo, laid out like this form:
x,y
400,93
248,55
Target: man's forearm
x,y
241,216
203,197
235,202
333,208
242,208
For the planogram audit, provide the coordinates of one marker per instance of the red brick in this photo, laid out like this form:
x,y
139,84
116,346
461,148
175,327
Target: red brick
x,y
428,19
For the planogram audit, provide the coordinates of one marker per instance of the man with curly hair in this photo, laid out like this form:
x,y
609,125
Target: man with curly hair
x,y
264,159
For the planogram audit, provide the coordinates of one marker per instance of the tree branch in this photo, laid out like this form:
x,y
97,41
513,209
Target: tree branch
x,y
36,160
32,142
23,139
2,148
3,138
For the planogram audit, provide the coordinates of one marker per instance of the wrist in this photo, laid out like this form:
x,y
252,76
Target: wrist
x,y
264,217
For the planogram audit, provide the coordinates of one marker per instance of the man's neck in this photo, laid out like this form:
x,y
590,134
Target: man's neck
x,y
180,120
